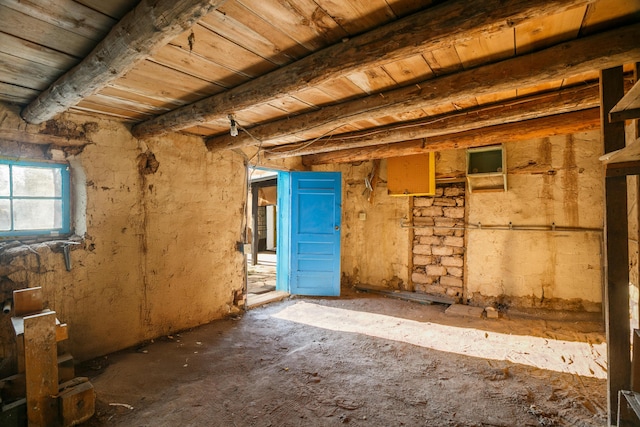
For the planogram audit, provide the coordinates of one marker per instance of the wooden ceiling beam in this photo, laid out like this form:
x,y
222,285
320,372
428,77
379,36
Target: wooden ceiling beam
x,y
31,136
595,52
514,110
147,28
561,124
436,27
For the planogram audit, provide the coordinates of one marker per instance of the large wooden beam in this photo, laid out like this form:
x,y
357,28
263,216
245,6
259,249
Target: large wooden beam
x,y
148,27
511,111
562,124
28,136
616,290
596,52
437,27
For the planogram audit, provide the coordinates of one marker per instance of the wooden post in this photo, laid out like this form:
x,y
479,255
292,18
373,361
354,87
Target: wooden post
x,y
634,239
616,292
41,363
254,222
412,235
635,365
636,122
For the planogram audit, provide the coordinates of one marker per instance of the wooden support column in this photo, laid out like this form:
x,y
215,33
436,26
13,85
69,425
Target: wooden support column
x,y
633,199
636,79
254,224
616,292
412,235
41,360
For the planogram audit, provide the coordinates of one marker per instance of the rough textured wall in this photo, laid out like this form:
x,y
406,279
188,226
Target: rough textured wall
x,y
438,242
159,253
552,180
375,248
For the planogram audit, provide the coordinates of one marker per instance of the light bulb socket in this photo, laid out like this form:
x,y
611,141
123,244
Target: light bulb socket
x,y
233,130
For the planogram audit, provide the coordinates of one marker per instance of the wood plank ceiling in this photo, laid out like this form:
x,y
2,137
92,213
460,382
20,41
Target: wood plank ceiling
x,y
325,74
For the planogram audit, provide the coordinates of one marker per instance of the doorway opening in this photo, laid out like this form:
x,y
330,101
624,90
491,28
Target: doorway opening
x,y
262,229
294,221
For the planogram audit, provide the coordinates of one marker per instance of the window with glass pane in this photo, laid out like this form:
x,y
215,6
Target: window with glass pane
x,y
34,198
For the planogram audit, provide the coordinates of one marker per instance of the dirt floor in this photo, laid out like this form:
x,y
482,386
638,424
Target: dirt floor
x,y
361,360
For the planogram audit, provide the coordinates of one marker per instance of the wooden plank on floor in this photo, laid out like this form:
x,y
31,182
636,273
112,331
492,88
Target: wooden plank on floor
x,y
616,292
407,296
254,301
41,368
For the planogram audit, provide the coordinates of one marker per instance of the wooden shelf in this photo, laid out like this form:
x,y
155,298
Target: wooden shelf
x,y
628,108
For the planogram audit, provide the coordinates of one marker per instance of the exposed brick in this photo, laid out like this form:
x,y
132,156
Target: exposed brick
x,y
455,271
434,289
422,249
444,202
453,292
459,201
452,261
453,191
430,240
443,232
416,212
419,287
423,201
432,211
427,231
435,270
454,212
439,191
451,282
441,250
444,222
422,221
458,251
421,278
423,260
458,233
454,241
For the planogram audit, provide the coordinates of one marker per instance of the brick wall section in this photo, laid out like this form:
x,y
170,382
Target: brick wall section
x,y
438,253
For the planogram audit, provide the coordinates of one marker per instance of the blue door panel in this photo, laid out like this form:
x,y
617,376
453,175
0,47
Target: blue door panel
x,y
314,265
316,248
314,259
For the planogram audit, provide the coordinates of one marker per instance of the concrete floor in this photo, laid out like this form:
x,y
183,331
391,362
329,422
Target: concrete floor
x,y
359,359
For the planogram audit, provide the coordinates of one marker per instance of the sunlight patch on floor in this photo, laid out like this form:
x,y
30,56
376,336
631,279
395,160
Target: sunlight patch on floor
x,y
578,358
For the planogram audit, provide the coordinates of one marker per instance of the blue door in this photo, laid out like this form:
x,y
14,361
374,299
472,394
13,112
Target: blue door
x,y
310,231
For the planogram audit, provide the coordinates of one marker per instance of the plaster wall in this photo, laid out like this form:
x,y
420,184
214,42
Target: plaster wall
x,y
158,250
551,180
375,249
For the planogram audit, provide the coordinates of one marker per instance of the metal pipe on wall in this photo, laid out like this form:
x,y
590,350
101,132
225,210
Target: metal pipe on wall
x,y
510,227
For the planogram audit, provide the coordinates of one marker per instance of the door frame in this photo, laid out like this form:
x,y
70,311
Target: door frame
x,y
284,226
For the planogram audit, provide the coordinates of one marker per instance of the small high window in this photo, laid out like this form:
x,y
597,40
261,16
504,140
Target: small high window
x,y
34,198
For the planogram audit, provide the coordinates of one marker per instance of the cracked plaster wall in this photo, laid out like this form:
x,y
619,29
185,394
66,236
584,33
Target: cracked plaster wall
x,y
552,180
375,249
159,252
